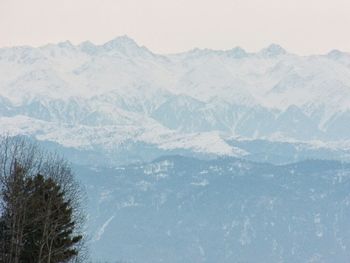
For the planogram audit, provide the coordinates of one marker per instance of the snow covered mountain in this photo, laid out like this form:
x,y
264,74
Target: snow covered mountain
x,y
119,94
112,109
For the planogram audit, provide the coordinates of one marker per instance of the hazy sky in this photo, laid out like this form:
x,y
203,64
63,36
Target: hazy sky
x,y
165,26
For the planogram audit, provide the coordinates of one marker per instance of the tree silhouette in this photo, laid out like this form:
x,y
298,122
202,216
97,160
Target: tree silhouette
x,y
49,236
40,215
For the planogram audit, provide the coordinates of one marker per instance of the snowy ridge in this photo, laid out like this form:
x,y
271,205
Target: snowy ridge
x,y
112,137
89,95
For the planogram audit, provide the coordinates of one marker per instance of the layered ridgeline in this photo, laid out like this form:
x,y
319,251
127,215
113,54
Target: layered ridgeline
x,y
116,98
111,107
186,210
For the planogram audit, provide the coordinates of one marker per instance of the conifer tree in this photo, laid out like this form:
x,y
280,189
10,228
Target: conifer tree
x,y
40,214
50,233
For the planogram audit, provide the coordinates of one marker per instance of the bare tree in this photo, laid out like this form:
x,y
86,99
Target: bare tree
x,y
25,220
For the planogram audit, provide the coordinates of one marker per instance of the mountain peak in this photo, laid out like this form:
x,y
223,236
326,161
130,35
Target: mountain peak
x,y
87,43
120,42
65,44
237,52
126,46
88,47
336,54
273,50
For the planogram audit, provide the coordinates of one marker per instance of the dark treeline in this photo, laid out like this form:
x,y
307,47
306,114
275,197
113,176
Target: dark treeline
x,y
41,218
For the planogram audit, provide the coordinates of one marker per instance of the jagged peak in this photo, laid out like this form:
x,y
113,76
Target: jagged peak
x,y
88,47
120,41
273,50
125,45
65,44
237,52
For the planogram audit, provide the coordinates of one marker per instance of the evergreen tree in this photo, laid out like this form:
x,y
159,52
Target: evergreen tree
x,y
40,213
49,236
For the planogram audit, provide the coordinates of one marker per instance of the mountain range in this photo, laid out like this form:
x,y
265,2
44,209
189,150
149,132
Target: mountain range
x,y
120,97
202,156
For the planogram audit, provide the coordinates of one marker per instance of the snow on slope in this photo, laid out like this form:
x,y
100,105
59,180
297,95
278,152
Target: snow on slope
x,y
89,95
112,137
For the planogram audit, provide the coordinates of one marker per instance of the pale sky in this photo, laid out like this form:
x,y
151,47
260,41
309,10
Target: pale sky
x,y
168,26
